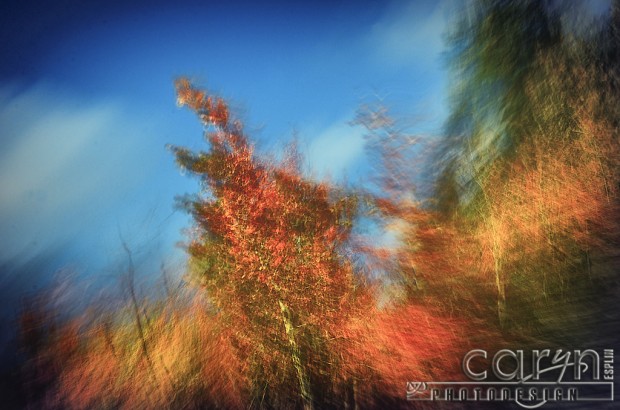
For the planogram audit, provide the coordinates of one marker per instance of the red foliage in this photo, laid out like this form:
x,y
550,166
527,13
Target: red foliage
x,y
266,235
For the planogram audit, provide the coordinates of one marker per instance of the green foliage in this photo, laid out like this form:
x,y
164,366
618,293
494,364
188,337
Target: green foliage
x,y
531,158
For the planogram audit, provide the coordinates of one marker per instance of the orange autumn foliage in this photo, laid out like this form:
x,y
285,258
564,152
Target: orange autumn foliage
x,y
267,240
97,362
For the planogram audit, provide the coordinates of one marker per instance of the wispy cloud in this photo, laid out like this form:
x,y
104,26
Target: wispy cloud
x,y
63,161
409,33
336,150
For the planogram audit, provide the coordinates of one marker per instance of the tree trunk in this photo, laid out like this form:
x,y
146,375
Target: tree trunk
x,y
304,385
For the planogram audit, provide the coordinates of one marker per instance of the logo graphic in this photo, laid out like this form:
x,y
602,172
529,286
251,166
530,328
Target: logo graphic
x,y
528,380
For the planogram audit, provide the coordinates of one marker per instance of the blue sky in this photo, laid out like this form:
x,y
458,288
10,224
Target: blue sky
x,y
87,107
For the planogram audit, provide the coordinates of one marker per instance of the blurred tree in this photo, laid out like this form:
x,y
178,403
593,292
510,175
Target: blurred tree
x,y
492,53
533,111
268,248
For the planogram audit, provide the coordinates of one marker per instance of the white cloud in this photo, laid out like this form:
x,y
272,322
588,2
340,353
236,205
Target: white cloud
x,y
409,34
335,151
62,162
